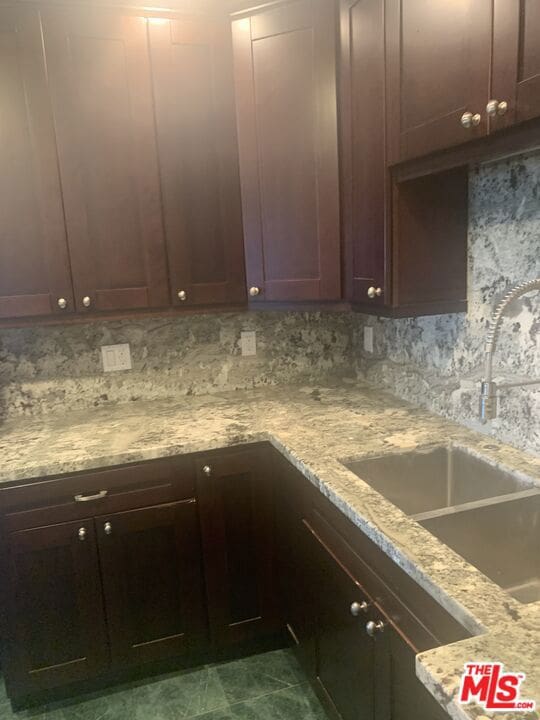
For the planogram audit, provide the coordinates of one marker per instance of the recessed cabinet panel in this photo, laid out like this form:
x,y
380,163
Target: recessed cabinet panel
x,y
439,63
516,62
101,91
346,654
236,511
34,266
286,109
194,97
152,582
57,629
364,185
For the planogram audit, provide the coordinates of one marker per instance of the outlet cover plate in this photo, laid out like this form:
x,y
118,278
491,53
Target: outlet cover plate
x,y
116,357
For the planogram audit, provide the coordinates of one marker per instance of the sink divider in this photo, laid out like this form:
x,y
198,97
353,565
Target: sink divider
x,y
474,504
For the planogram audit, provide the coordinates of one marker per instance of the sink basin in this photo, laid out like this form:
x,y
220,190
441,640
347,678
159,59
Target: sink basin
x,y
501,539
430,479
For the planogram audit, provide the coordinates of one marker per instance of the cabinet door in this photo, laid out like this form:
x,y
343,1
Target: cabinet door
x,y
286,109
298,588
402,696
345,653
364,184
34,265
152,582
236,511
194,97
56,626
516,61
439,64
101,90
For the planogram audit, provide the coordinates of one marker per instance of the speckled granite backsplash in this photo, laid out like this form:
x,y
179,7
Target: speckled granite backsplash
x,y
436,361
58,368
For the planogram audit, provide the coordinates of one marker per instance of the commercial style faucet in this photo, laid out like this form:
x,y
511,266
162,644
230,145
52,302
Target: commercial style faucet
x,y
488,394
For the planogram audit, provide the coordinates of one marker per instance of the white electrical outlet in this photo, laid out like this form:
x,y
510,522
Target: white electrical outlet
x,y
248,341
368,339
116,357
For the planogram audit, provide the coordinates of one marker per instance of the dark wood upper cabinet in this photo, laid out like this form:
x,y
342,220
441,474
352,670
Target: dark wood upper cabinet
x,y
34,265
56,633
438,56
194,100
285,79
236,514
365,183
516,62
100,82
153,586
404,242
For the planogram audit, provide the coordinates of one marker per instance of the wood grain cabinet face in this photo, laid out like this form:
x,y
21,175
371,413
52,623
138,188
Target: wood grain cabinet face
x,y
346,667
516,61
438,69
99,75
364,182
152,582
56,632
34,264
404,697
198,156
287,124
236,512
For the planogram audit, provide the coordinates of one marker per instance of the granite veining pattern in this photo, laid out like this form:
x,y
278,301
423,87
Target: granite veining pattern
x,y
437,361
316,427
49,369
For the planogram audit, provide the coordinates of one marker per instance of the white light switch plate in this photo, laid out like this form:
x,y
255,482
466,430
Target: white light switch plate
x,y
116,357
248,341
368,339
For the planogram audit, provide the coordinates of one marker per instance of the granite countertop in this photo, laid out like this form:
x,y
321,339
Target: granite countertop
x,y
316,428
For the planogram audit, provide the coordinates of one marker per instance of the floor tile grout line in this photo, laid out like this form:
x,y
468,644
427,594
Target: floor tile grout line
x,y
246,700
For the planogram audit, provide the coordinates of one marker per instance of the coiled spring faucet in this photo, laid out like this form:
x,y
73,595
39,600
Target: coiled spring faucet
x,y
488,394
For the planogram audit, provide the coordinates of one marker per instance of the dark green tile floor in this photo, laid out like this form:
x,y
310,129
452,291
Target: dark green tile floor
x,y
270,686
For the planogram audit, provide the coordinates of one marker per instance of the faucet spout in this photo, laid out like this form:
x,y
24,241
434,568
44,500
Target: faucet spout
x,y
488,388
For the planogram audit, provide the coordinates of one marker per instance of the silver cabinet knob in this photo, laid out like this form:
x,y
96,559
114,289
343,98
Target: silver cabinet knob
x,y
468,120
207,470
182,295
359,607
86,301
372,627
374,292
494,107
62,303
107,528
254,291
82,534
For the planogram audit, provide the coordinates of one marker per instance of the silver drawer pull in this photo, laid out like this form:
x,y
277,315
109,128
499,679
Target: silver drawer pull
x,y
86,498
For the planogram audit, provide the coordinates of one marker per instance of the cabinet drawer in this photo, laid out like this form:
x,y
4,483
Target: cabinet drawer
x,y
104,491
417,617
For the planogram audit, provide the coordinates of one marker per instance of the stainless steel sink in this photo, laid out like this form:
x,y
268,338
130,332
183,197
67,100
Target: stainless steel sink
x,y
501,539
438,477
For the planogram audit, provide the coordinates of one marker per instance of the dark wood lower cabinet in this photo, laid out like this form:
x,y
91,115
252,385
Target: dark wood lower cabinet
x,y
230,548
236,511
55,632
346,668
151,567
